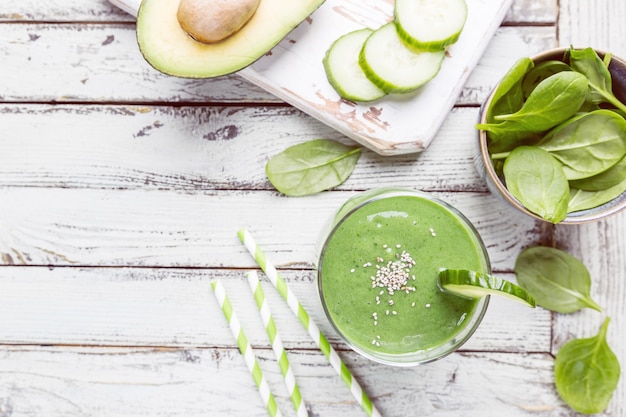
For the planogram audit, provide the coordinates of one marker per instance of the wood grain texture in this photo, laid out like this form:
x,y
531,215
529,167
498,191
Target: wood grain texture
x,y
598,24
102,63
524,11
196,229
165,382
174,308
205,148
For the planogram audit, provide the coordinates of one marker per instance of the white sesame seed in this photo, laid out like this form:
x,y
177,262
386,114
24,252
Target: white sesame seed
x,y
413,304
352,270
394,312
398,246
427,305
387,312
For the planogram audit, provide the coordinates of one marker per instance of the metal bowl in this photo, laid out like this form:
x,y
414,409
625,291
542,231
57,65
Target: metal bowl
x,y
483,164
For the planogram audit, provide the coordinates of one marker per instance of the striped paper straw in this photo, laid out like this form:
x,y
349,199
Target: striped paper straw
x,y
277,344
297,308
245,349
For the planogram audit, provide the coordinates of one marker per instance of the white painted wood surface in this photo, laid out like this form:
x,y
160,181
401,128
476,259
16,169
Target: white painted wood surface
x,y
121,191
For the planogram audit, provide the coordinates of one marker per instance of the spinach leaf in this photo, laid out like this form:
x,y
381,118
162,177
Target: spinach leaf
x,y
589,144
537,180
557,280
505,136
311,167
584,200
540,72
587,62
604,180
508,97
554,100
586,372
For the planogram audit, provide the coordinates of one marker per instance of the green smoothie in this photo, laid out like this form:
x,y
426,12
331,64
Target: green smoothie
x,y
378,276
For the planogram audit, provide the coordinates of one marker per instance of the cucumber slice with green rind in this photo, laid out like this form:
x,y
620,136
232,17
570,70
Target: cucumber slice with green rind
x,y
473,284
430,24
392,66
341,64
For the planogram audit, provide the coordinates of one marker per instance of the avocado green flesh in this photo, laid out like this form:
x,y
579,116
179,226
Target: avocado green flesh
x,y
169,49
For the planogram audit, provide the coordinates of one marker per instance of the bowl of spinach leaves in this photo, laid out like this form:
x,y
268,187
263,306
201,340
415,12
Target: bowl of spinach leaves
x,y
552,136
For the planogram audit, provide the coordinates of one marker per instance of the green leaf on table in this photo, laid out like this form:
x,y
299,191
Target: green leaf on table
x,y
557,280
537,180
311,167
586,372
588,144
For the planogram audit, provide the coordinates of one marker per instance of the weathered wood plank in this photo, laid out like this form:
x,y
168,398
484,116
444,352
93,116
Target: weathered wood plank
x,y
99,62
174,308
62,11
102,63
42,226
525,11
532,12
599,24
163,382
204,148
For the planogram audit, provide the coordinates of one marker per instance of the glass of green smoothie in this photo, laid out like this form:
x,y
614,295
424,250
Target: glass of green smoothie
x,y
377,276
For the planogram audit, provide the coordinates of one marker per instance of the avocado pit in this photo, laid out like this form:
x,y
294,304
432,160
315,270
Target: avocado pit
x,y
210,21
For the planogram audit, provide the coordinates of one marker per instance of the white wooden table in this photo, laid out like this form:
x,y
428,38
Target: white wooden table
x,y
121,192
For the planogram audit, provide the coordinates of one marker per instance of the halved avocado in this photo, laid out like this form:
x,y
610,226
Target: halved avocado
x,y
169,49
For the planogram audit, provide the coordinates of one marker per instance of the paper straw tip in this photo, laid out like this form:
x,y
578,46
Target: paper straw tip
x,y
241,233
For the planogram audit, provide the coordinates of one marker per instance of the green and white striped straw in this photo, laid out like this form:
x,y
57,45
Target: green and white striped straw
x,y
297,308
245,349
277,344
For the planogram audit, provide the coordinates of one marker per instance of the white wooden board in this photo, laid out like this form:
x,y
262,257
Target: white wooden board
x,y
393,125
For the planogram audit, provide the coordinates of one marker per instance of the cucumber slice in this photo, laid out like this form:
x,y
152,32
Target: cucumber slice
x,y
430,24
392,66
472,284
344,74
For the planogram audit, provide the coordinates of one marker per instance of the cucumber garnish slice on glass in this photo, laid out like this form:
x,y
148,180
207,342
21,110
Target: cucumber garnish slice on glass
x,y
473,284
